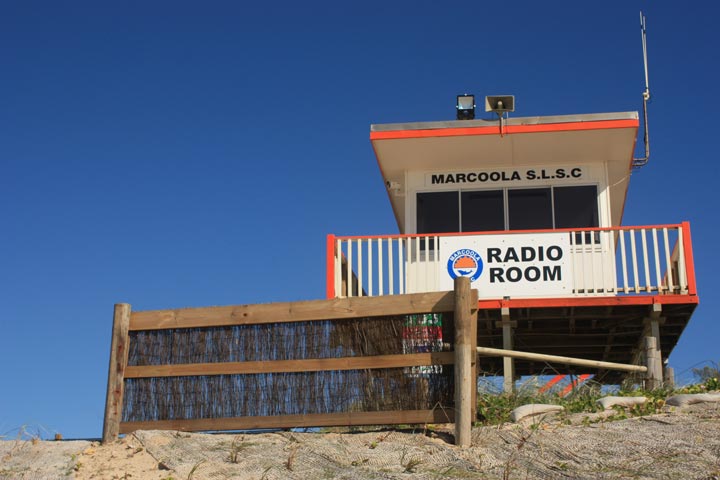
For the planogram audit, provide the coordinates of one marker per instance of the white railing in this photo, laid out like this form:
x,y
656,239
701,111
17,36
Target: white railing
x,y
600,262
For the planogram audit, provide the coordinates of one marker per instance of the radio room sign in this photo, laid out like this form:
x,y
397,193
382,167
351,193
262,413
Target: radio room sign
x,y
514,265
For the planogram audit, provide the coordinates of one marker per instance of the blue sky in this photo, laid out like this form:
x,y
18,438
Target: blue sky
x,y
171,154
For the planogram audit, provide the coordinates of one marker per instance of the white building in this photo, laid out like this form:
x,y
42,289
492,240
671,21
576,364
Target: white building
x,y
532,211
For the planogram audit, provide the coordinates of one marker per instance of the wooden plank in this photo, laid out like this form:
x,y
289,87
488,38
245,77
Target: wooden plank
x,y
437,415
332,309
279,366
116,371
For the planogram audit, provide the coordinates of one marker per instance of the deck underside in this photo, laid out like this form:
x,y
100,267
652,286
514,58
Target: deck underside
x,y
600,330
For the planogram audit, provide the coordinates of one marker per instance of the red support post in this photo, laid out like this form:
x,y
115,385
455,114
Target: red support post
x,y
689,263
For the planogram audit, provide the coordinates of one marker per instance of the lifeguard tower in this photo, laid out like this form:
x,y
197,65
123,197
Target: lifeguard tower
x,y
531,210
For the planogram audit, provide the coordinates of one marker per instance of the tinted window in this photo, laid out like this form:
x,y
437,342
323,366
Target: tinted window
x,y
438,212
483,211
529,209
576,207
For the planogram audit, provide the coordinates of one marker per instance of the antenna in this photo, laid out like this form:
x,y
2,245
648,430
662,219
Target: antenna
x,y
641,162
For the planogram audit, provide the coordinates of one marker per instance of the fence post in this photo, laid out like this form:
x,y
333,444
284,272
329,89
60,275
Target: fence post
x,y
465,356
473,346
669,377
116,372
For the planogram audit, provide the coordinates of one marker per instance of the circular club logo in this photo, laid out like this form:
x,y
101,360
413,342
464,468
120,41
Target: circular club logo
x,y
465,263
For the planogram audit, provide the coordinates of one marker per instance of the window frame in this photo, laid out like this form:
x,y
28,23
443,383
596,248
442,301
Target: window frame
x,y
506,206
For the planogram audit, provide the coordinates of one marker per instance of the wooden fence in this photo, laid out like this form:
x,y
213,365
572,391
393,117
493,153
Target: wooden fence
x,y
165,346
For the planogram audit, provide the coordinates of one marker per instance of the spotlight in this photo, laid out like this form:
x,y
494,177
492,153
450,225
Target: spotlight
x,y
465,107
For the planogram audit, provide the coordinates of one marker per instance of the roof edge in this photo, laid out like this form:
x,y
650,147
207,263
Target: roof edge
x,y
512,121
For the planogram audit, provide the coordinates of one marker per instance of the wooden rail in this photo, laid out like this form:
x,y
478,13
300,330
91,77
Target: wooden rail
x,y
313,310
337,309
289,366
499,352
437,415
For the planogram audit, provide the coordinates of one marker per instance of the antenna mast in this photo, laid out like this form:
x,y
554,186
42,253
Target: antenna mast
x,y
641,162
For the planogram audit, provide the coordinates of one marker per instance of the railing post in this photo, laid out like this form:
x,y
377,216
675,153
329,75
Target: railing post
x,y
116,372
330,267
465,355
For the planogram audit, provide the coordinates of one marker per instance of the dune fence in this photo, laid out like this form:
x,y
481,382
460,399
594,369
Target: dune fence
x,y
339,362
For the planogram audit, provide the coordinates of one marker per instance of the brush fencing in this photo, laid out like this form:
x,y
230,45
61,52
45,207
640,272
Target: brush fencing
x,y
267,394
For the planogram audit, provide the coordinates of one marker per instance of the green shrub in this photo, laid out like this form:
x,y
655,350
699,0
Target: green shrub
x,y
494,409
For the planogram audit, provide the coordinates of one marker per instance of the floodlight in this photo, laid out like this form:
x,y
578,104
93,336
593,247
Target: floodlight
x,y
465,107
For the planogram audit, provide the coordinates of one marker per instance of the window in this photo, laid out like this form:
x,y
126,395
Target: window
x,y
576,206
482,211
530,209
509,209
438,212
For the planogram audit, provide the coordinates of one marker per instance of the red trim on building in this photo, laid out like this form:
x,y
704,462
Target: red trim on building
x,y
508,129
587,301
689,263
